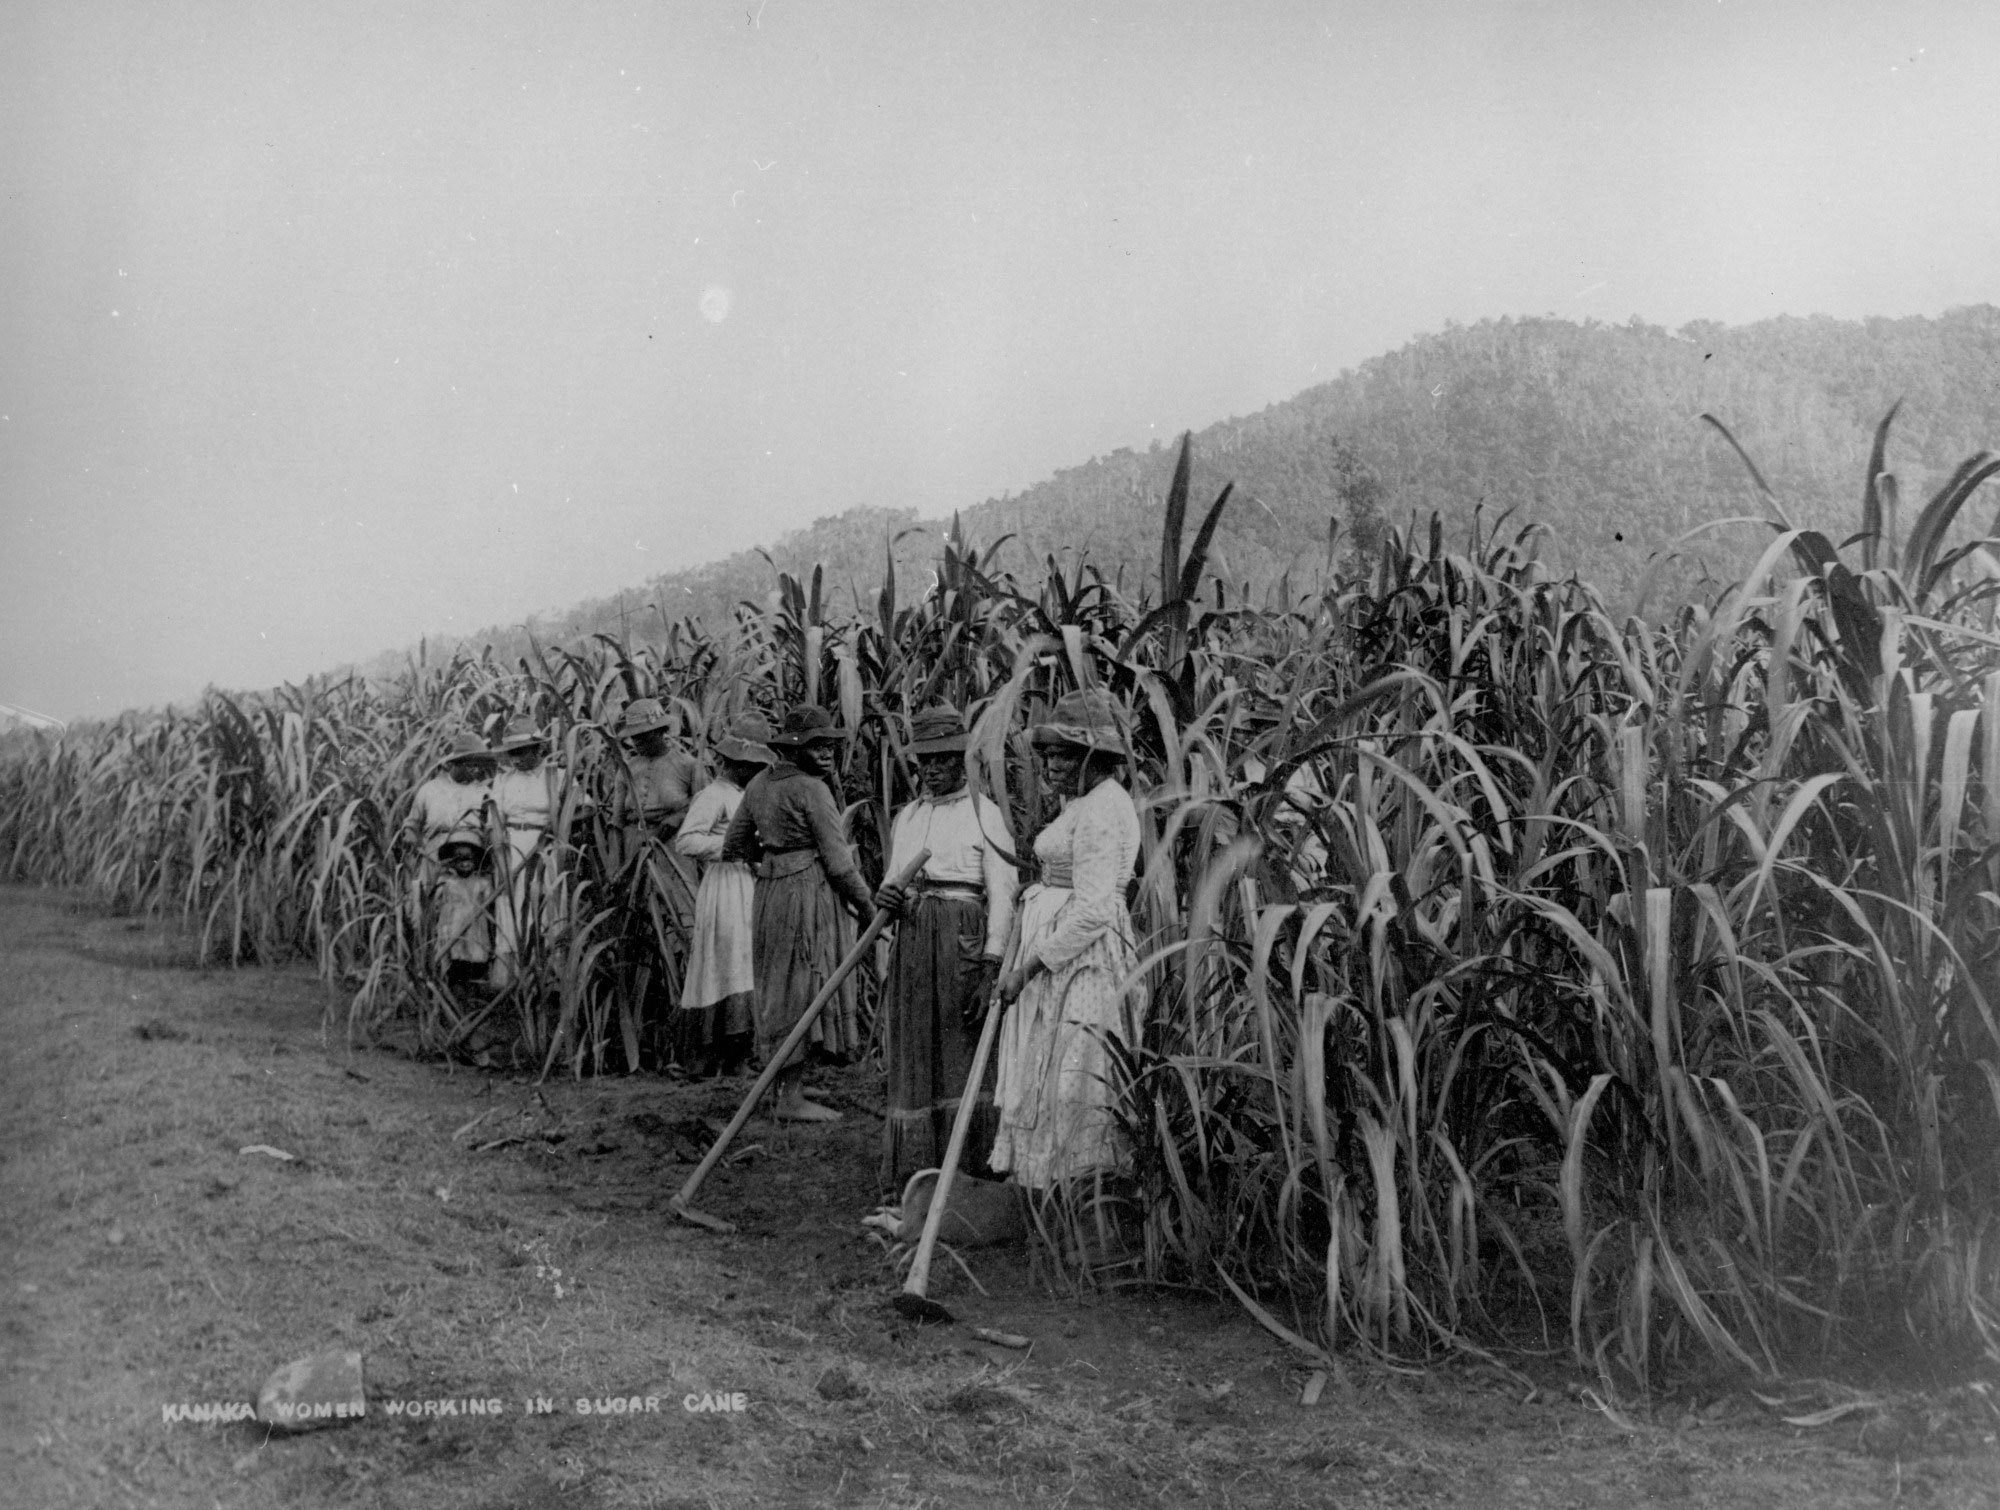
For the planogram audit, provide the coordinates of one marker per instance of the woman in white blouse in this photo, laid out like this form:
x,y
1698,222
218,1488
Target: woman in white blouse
x,y
1067,977
537,801
716,1020
953,922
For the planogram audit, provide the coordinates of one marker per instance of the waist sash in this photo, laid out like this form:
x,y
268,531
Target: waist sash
x,y
779,863
950,891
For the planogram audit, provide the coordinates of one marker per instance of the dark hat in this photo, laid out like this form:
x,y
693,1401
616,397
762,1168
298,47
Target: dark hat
x,y
643,715
748,738
464,747
470,847
938,730
806,724
520,733
1088,719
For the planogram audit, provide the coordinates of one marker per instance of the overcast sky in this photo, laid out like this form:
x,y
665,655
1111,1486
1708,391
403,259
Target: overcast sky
x,y
326,325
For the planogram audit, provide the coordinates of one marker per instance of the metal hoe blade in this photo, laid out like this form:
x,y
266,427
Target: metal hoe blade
x,y
679,1204
699,1218
920,1308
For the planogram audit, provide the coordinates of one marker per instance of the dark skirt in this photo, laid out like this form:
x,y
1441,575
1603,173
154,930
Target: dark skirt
x,y
798,934
721,1031
933,971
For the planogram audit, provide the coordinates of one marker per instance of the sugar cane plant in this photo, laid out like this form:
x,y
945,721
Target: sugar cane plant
x,y
1516,970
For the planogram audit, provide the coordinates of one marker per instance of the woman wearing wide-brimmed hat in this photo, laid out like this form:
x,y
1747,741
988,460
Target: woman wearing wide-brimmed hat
x,y
451,805
659,780
448,822
1066,976
531,793
717,1016
788,826
652,784
952,927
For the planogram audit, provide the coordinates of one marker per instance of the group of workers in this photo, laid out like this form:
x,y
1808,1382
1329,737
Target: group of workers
x,y
781,892
481,910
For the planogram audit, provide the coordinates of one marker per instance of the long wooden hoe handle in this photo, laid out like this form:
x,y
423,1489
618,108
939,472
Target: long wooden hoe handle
x,y
920,1266
679,1204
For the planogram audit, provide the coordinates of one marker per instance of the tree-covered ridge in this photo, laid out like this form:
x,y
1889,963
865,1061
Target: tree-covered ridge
x,y
1591,430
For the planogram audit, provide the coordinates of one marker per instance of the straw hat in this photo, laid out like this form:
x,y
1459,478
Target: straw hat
x,y
465,746
643,715
748,739
1087,719
938,730
519,734
806,724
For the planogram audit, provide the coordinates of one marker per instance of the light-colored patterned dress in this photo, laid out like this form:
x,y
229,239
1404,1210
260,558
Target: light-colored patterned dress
x,y
1054,1090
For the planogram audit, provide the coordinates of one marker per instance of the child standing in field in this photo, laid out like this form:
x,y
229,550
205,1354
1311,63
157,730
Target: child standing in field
x,y
447,822
462,912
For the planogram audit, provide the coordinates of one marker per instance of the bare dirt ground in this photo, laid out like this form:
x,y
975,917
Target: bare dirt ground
x,y
477,1236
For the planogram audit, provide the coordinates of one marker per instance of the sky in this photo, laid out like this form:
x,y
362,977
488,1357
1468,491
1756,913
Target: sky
x,y
327,326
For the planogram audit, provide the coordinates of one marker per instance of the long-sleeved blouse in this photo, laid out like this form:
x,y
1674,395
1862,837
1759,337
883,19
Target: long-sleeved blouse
x,y
526,799
786,809
707,822
1090,848
444,810
963,832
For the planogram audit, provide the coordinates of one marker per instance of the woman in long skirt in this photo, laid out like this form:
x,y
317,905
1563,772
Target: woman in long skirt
x,y
535,800
788,824
654,782
716,1018
1066,976
952,927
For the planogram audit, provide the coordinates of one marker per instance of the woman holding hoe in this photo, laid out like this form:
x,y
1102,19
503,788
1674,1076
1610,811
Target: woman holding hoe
x,y
954,919
1066,978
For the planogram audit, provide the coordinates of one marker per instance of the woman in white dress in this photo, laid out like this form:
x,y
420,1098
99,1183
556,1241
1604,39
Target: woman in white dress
x,y
716,1020
1066,977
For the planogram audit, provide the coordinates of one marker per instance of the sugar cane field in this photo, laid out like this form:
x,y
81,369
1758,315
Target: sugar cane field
x,y
1570,1060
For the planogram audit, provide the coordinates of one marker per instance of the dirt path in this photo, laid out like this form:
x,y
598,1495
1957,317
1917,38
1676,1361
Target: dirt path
x,y
149,1263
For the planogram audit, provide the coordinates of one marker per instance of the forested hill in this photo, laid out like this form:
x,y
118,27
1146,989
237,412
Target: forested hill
x,y
1591,430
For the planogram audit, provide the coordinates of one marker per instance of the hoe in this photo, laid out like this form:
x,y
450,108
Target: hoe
x,y
679,1204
